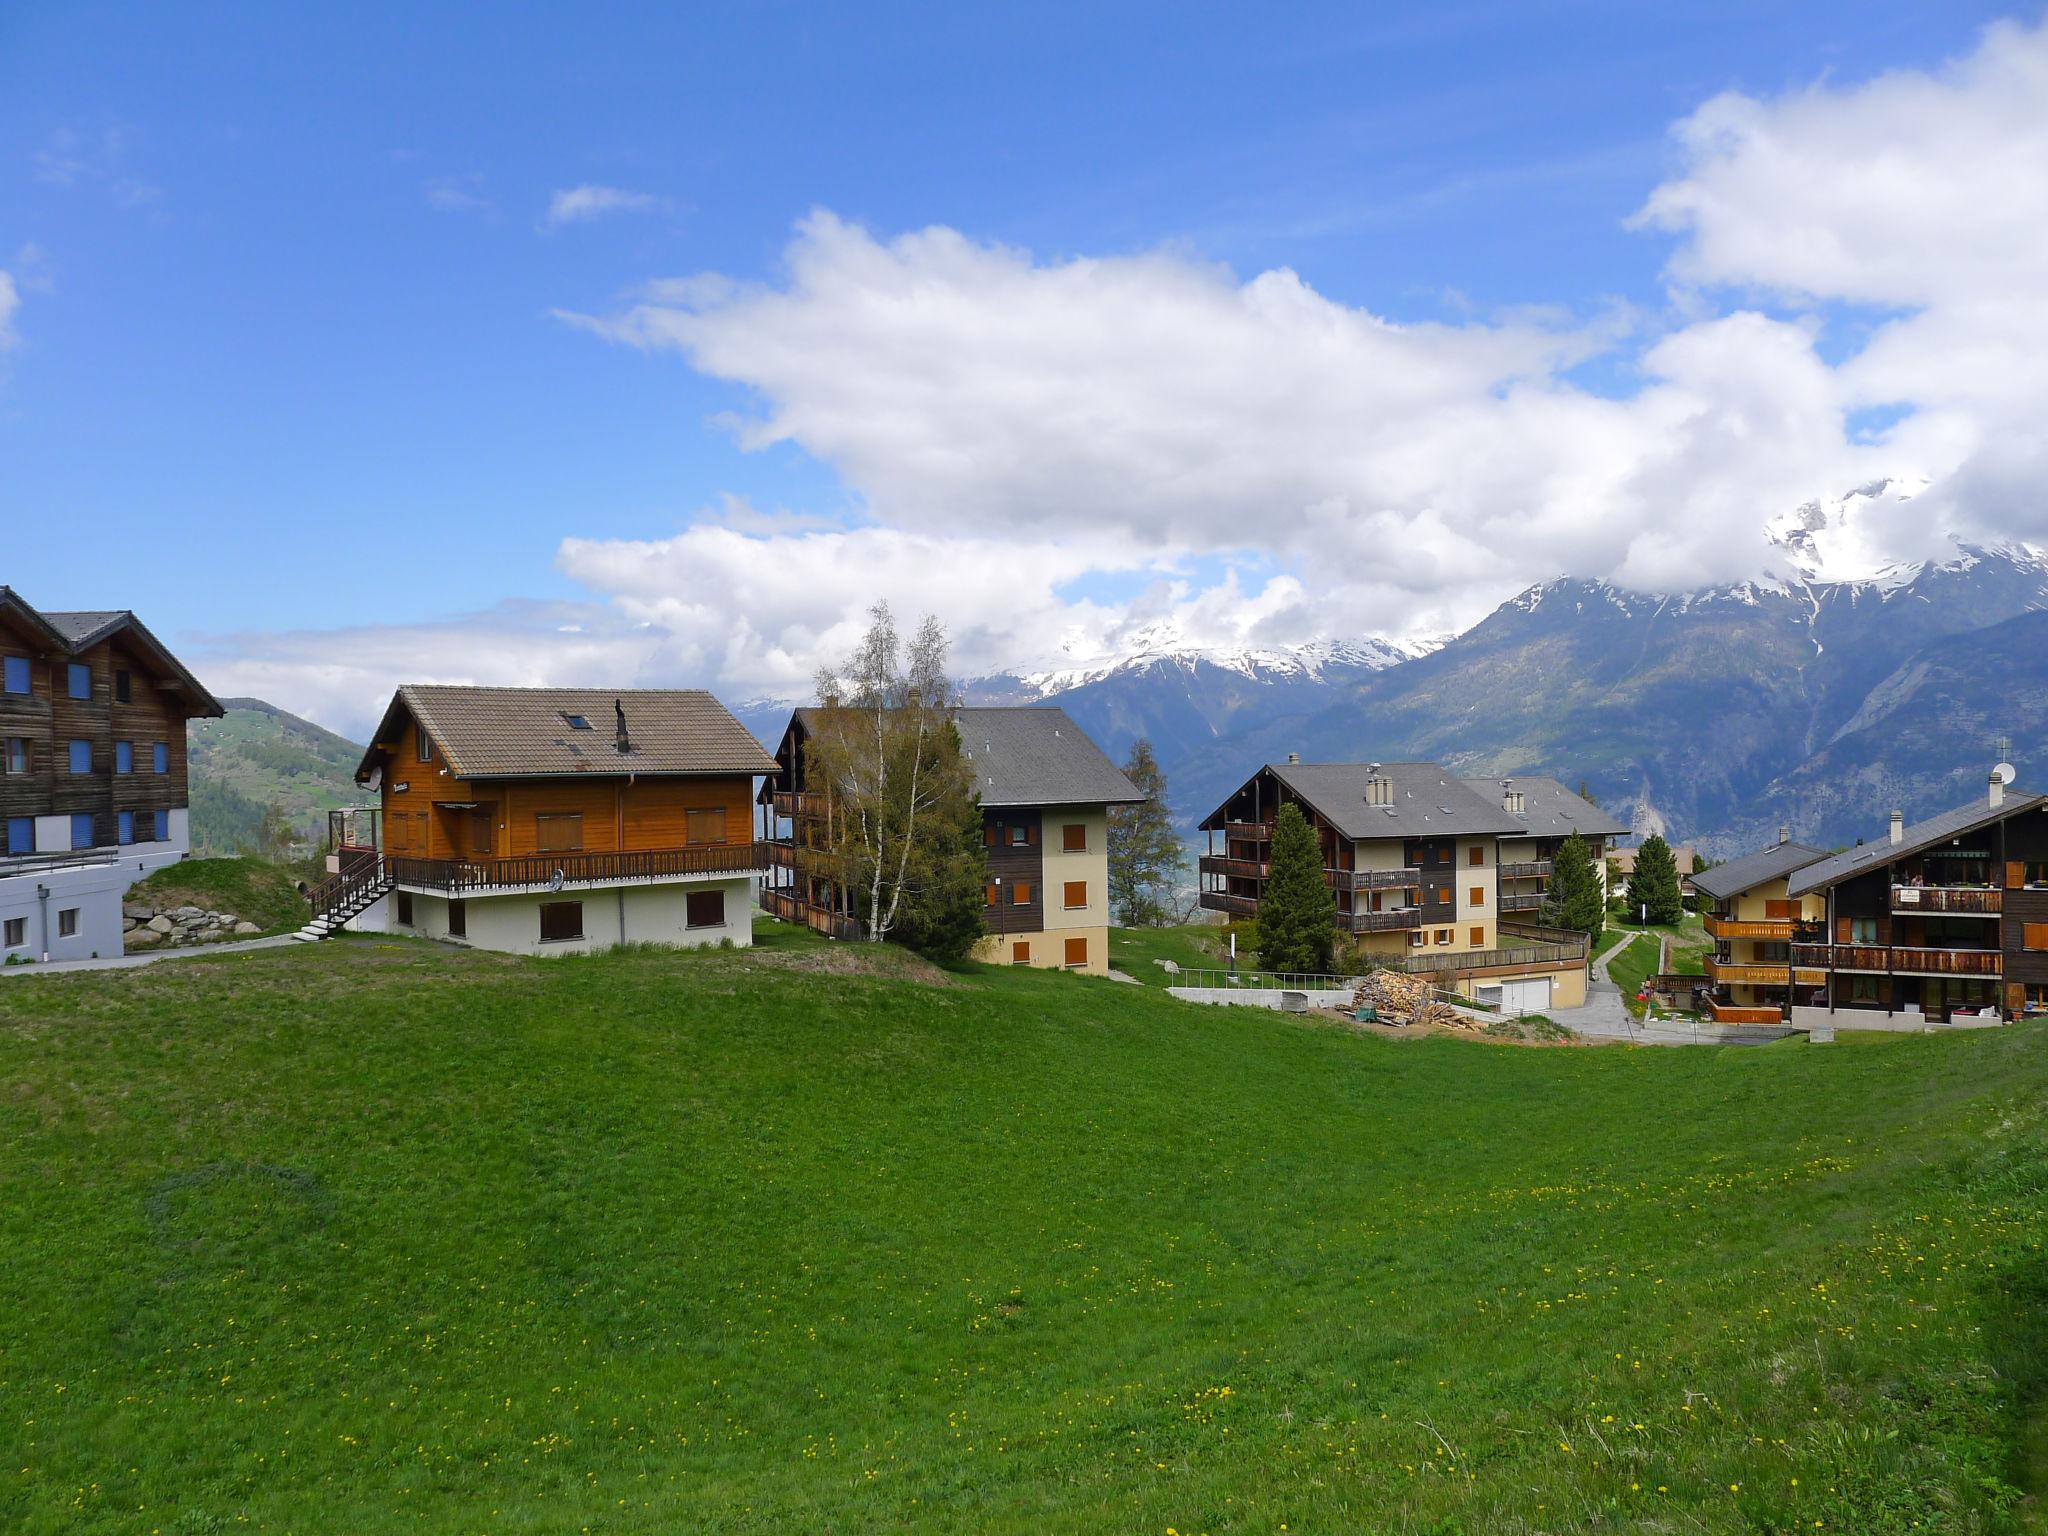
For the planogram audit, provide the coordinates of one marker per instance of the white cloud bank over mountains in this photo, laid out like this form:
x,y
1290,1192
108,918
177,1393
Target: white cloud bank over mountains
x,y
1859,289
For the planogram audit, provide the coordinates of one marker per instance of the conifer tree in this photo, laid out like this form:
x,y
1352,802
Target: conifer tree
x,y
1653,887
1297,912
1574,899
1144,852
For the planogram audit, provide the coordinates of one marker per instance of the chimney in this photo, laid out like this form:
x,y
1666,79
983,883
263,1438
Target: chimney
x,y
1997,790
1898,828
1784,834
623,742
1294,758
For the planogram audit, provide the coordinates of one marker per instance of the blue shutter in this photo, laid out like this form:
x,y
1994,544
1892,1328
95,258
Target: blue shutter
x,y
124,757
81,680
163,826
21,834
81,831
160,757
17,674
81,757
127,826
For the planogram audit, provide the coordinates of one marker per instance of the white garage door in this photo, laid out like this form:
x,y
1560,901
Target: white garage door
x,y
1525,996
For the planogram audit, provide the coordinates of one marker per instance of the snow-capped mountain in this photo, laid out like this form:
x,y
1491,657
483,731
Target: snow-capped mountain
x,y
1165,645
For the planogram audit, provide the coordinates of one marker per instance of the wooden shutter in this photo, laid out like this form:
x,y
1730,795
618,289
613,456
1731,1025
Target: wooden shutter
x,y
988,894
1020,893
1031,834
1478,856
558,831
1076,894
1077,952
704,909
561,920
1020,952
1074,837
2015,875
706,825
1779,911
1478,896
2034,936
1479,938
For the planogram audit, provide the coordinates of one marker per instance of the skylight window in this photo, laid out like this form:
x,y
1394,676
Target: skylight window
x,y
576,722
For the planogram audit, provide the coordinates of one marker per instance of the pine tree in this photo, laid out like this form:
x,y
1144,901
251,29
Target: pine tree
x,y
941,916
1297,912
1574,899
1653,887
1144,851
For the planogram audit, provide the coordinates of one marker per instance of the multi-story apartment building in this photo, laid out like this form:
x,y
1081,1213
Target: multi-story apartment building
x,y
1046,791
1414,855
92,774
1548,813
551,821
1939,922
1753,921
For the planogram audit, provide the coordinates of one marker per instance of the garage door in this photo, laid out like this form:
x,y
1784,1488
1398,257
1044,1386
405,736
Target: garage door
x,y
1525,996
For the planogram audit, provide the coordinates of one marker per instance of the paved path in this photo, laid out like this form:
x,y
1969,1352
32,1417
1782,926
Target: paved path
x,y
1605,1016
145,957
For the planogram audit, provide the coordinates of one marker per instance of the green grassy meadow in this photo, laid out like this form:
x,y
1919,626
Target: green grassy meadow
x,y
379,1236
264,892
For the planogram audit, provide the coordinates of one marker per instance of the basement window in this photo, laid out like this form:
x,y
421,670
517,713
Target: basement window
x,y
67,923
704,909
560,921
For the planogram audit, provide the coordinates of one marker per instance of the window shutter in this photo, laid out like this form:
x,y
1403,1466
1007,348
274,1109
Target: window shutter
x,y
1031,834
2034,936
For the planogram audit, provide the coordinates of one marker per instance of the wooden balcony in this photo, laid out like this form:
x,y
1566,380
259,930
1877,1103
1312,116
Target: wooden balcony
x,y
796,806
1522,901
794,909
1232,867
1249,831
1223,901
1381,922
1531,869
1719,927
461,877
1902,960
1956,900
1224,864
1733,1013
1766,973
1427,962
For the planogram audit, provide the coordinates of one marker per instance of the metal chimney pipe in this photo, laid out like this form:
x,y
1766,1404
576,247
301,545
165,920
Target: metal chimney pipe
x,y
623,742
1997,791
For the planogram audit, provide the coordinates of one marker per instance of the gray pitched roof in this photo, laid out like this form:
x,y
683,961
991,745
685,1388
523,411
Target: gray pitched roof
x,y
80,630
25,614
1753,869
1428,800
1548,808
511,733
87,625
1035,755
1924,834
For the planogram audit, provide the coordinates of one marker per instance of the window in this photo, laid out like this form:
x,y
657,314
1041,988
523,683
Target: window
x,y
1074,837
1443,855
423,748
458,919
1479,938
15,934
1780,911
78,680
124,757
1443,895
162,820
80,753
81,830
1476,896
404,909
67,922
123,690
560,921
559,832
704,909
2034,935
1020,952
1077,953
1862,989
1020,893
1769,952
575,722
1443,935
707,826
1076,894
1022,835
14,759
160,757
16,672
125,822
1415,939
1478,856
21,834
481,827
1862,930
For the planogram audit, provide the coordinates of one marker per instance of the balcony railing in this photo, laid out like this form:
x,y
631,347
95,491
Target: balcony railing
x,y
44,863
1760,973
1532,869
1232,867
1744,1013
1424,962
1522,901
1381,922
1719,927
794,909
1966,901
797,805
1223,901
1224,864
1900,959
457,876
1251,831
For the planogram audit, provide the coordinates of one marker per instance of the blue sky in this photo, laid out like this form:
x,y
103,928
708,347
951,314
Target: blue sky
x,y
289,348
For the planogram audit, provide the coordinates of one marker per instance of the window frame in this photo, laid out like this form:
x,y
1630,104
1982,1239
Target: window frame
x,y
1020,893
690,900
1478,860
14,933
1020,952
124,828
458,918
124,686
14,755
402,909
1476,896
1477,938
67,922
422,745
548,907
2034,937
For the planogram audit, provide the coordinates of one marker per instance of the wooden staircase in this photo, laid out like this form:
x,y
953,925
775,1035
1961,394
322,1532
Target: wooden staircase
x,y
340,897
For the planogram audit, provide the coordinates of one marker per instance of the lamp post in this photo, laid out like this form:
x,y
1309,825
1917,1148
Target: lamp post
x,y
1000,931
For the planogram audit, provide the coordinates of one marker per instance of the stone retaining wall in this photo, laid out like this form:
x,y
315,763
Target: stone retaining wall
x,y
144,926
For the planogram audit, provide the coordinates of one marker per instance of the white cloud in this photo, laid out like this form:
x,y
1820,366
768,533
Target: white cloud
x,y
1260,463
458,194
10,303
580,205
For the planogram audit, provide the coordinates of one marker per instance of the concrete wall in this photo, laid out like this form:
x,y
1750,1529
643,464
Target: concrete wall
x,y
1256,997
1908,1021
94,891
628,913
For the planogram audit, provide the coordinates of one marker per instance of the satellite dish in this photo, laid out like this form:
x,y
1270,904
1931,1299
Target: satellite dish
x,y
555,880
2005,773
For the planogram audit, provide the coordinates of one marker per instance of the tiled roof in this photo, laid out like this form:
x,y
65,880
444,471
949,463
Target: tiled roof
x,y
80,630
1427,800
1548,808
504,733
1925,834
1029,755
86,626
1753,869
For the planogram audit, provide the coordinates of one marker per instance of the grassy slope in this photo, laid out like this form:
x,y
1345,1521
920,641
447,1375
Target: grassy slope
x,y
257,754
379,1236
264,893
1197,946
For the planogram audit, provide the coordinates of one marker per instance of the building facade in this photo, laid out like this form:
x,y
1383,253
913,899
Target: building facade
x,y
93,792
1943,922
551,821
1423,865
1754,920
1046,792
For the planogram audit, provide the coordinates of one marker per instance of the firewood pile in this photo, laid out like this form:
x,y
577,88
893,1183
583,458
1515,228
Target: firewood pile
x,y
1402,999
